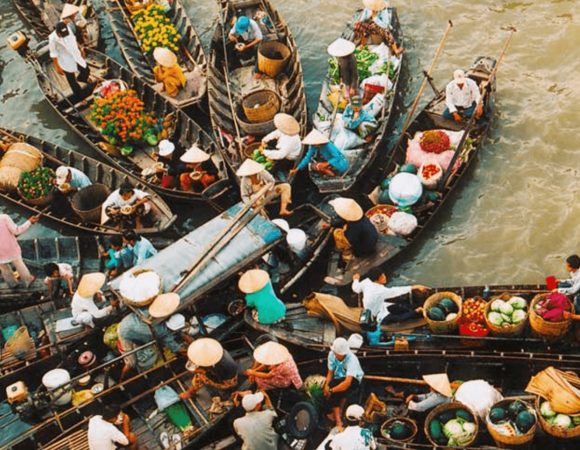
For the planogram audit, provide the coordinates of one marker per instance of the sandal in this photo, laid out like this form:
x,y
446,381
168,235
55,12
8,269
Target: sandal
x,y
164,438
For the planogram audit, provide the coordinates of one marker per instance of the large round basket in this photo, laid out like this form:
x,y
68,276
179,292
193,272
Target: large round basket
x,y
145,301
551,331
250,148
379,216
449,407
512,330
442,326
519,441
254,129
40,201
261,106
410,422
87,203
559,432
272,58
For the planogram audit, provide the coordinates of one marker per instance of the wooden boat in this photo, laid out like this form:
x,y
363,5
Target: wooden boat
x,y
431,117
317,333
361,157
161,216
183,130
42,17
191,55
229,83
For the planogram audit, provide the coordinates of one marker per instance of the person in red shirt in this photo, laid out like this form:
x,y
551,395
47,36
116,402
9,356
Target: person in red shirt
x,y
274,368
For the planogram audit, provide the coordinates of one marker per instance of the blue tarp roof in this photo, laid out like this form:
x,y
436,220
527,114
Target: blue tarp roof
x,y
247,245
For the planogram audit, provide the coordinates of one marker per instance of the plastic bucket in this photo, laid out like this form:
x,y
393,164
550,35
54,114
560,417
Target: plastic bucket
x,y
296,239
52,380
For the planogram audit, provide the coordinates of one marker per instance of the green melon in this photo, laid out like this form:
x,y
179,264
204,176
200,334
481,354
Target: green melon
x,y
409,168
400,430
497,414
525,421
436,313
435,429
462,414
448,305
385,183
515,408
446,416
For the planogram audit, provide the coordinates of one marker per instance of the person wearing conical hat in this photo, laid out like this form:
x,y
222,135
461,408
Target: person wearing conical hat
x,y
287,137
462,97
358,236
83,307
375,20
168,71
323,156
200,173
254,178
274,368
343,50
257,286
440,393
212,365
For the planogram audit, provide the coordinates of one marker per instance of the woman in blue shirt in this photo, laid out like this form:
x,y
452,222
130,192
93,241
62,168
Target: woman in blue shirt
x,y
142,247
320,147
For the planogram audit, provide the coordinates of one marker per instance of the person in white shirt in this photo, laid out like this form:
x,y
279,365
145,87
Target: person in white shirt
x,y
375,294
124,197
59,278
287,137
256,428
103,433
462,98
83,306
67,57
571,286
354,437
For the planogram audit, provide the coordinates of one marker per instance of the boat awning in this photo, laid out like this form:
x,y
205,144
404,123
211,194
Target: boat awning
x,y
174,261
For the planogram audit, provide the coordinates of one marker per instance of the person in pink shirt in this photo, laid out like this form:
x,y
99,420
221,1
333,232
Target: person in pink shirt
x,y
275,368
10,252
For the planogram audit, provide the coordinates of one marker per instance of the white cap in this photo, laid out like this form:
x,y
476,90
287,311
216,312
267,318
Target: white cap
x,y
459,76
340,346
354,412
166,148
61,174
175,322
250,401
355,341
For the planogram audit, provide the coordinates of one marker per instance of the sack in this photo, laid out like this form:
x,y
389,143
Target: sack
x,y
375,105
22,156
479,395
9,177
345,139
20,344
402,223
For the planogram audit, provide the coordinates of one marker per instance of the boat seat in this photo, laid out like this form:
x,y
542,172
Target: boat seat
x,y
79,440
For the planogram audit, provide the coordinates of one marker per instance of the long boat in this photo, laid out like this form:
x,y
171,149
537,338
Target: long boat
x,y
316,331
229,83
42,16
183,131
362,157
191,56
161,216
431,117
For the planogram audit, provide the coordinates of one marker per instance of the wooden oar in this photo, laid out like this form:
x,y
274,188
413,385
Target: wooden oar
x,y
426,76
472,119
402,380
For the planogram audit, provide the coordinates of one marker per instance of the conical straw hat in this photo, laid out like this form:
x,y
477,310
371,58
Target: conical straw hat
x,y
253,280
69,10
375,5
439,382
205,352
164,305
341,47
91,283
194,155
347,209
164,57
249,167
271,354
287,124
315,137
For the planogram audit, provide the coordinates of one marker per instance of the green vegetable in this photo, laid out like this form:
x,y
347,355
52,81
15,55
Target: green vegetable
x,y
151,139
399,430
518,303
563,421
525,420
469,428
385,183
495,318
388,68
453,428
506,318
518,315
436,313
576,420
497,414
435,429
462,414
515,408
496,305
126,150
36,183
506,309
546,410
448,305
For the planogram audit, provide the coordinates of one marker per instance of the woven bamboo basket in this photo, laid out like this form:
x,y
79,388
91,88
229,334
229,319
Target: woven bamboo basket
x,y
562,433
253,129
387,423
249,149
449,407
261,106
87,203
442,326
386,211
39,201
273,57
512,330
519,441
551,331
147,301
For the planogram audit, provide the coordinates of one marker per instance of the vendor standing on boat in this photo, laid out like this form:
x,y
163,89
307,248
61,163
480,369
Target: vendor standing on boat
x,y
287,137
342,379
326,158
358,237
140,247
73,17
440,393
254,178
201,172
256,428
83,307
274,368
343,51
375,20
462,98
126,205
257,286
68,58
168,71
11,253
211,365
245,35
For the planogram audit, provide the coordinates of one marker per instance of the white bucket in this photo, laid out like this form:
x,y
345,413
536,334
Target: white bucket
x,y
55,378
282,224
296,239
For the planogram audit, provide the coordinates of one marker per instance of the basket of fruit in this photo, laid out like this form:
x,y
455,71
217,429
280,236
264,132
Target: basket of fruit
x,y
35,187
379,216
551,330
442,312
511,421
399,429
430,174
451,425
472,322
507,315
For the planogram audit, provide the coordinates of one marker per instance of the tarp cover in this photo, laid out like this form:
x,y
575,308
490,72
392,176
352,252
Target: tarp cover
x,y
172,262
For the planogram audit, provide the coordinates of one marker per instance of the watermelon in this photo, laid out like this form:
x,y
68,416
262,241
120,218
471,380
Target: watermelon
x,y
515,408
446,416
448,305
525,420
497,414
432,196
409,168
385,183
436,430
462,414
400,430
436,313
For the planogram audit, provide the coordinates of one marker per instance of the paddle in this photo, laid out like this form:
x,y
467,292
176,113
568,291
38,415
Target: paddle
x,y
426,76
402,380
472,119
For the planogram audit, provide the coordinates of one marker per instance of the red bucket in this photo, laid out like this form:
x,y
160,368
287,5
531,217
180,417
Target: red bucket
x,y
551,282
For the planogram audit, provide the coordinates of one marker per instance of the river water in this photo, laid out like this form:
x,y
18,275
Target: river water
x,y
513,219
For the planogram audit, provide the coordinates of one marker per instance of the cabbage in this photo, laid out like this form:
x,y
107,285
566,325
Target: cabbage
x,y
518,303
452,428
563,421
495,318
496,305
469,427
518,316
506,309
546,410
506,318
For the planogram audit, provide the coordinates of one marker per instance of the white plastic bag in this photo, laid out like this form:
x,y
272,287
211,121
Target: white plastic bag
x,y
402,223
375,106
479,395
345,139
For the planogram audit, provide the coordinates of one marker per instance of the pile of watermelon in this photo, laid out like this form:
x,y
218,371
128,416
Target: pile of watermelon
x,y
513,418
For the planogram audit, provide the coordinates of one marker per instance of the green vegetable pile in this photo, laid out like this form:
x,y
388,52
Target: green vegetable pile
x,y
364,60
258,156
508,313
514,419
455,428
558,420
388,68
37,183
